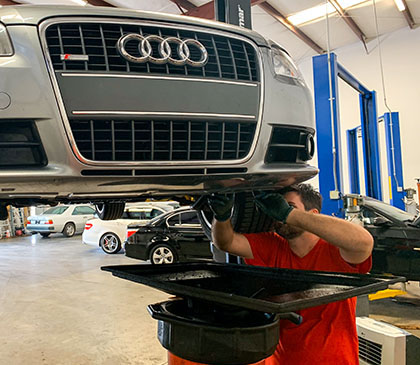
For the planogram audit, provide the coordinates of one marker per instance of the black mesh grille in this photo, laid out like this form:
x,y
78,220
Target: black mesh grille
x,y
370,352
229,58
20,145
290,144
162,140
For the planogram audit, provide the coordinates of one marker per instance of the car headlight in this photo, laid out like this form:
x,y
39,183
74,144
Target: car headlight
x,y
283,64
6,48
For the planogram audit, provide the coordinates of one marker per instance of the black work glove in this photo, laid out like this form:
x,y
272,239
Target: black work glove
x,y
273,205
221,206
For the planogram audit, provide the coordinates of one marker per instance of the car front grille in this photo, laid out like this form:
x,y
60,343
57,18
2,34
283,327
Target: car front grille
x,y
290,145
162,140
229,57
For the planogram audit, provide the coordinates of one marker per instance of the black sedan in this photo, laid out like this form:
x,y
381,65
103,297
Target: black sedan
x,y
396,234
172,237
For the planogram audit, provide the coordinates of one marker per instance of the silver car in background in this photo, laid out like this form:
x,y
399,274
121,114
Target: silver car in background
x,y
107,106
66,219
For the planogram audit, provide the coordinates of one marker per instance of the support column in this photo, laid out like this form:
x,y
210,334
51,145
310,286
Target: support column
x,y
353,160
369,123
328,131
393,149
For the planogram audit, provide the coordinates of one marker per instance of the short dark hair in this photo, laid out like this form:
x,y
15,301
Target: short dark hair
x,y
311,198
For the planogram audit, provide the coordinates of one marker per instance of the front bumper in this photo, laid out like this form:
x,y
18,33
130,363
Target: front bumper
x,y
68,174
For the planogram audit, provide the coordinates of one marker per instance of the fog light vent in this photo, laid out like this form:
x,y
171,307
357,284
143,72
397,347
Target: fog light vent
x,y
290,145
20,145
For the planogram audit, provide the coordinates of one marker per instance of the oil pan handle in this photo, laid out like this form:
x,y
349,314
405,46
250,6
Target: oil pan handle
x,y
292,317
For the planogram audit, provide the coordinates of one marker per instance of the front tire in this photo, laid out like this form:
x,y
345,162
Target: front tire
x,y
110,211
246,217
69,230
110,243
162,254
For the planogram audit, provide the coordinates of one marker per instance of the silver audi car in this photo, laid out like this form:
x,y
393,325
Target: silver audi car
x,y
106,106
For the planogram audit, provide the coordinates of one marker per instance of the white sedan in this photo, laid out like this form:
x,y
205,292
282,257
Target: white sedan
x,y
67,219
109,235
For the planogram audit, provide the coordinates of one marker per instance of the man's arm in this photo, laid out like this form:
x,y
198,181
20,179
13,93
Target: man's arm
x,y
355,242
227,240
223,235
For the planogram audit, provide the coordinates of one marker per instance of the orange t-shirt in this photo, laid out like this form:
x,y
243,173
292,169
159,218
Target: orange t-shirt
x,y
328,333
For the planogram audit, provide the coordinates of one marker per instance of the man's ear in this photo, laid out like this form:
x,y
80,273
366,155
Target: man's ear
x,y
315,211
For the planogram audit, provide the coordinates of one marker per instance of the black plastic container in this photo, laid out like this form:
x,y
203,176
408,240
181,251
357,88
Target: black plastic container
x,y
217,335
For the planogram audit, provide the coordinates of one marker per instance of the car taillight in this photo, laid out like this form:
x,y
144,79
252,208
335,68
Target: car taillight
x,y
28,222
88,226
130,232
49,222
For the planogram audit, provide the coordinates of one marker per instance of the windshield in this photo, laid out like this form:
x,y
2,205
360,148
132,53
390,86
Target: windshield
x,y
389,210
55,210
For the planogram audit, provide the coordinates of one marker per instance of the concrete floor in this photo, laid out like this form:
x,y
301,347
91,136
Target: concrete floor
x,y
58,307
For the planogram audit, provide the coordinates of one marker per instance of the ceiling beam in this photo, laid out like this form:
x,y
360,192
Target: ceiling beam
x,y
206,11
100,3
296,31
349,20
407,15
9,2
185,4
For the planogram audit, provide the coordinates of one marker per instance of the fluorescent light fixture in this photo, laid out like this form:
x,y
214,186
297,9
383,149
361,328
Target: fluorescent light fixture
x,y
400,5
318,12
80,2
307,15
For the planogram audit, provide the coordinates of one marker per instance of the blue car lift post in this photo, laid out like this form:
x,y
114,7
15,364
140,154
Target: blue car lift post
x,y
326,76
394,160
395,170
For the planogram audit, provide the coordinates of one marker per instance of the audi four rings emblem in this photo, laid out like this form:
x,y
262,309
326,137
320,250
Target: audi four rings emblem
x,y
183,56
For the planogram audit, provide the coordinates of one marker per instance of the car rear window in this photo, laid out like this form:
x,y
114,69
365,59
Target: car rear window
x,y
83,210
55,210
142,214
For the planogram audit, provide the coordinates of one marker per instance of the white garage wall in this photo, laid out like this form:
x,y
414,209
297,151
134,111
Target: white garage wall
x,y
401,61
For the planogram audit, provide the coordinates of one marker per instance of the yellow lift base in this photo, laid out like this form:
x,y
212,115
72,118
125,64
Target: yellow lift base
x,y
387,293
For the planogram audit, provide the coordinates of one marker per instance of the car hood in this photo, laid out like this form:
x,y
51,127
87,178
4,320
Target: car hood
x,y
34,15
396,215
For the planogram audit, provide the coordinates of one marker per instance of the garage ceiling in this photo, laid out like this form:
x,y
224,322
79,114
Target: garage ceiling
x,y
355,24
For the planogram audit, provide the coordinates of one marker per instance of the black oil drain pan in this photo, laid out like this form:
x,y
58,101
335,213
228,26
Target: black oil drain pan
x,y
217,335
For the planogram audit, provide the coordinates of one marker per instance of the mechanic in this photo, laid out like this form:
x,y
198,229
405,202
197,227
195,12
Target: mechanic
x,y
303,239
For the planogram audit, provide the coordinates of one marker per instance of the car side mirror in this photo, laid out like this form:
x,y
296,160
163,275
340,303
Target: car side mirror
x,y
381,221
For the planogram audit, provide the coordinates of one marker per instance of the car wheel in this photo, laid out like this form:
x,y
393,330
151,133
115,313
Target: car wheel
x,y
163,254
110,243
109,211
246,218
45,235
69,230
